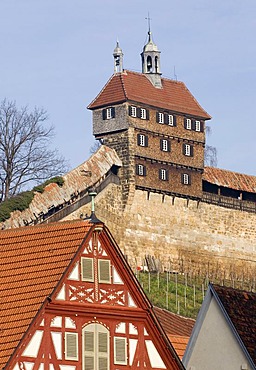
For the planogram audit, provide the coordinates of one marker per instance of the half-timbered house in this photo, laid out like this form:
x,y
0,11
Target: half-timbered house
x,y
69,301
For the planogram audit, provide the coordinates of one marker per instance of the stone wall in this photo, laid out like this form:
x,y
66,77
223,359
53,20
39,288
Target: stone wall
x,y
186,236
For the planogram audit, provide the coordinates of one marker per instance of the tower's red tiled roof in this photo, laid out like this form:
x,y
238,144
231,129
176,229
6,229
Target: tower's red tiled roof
x,y
136,87
32,261
241,309
229,179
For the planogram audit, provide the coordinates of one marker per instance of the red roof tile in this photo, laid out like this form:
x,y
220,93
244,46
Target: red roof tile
x,y
32,261
136,87
241,309
229,179
179,343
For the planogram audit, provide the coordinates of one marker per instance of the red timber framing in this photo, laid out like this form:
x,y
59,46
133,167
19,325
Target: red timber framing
x,y
96,318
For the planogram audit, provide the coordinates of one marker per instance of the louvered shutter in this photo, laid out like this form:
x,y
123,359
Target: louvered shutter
x,y
138,139
168,146
166,118
193,124
102,350
174,121
157,117
184,149
191,151
138,112
129,110
144,171
104,113
167,175
161,144
120,356
104,271
89,350
137,169
146,140
185,122
71,350
113,112
147,114
87,269
189,179
201,126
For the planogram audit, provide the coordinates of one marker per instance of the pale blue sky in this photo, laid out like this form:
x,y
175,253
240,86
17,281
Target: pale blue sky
x,y
57,54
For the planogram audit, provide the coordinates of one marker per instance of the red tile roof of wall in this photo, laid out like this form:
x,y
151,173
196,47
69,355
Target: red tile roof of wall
x,y
46,249
229,179
136,87
241,309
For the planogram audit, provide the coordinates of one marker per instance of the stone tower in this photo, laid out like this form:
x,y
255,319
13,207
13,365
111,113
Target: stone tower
x,y
155,125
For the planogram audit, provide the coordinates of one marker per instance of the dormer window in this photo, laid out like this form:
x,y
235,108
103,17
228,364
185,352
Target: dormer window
x,y
108,113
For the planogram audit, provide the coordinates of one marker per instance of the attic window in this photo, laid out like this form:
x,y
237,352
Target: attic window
x,y
104,271
87,271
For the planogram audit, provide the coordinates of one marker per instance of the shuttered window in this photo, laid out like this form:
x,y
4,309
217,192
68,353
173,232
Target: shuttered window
x,y
138,112
87,269
104,271
185,179
120,348
142,140
96,347
163,174
71,346
187,123
140,170
188,150
108,113
165,145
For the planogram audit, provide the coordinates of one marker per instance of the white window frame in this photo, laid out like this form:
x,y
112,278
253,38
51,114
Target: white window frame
x,y
109,270
82,275
143,113
163,174
165,145
161,117
120,362
71,358
140,170
109,113
142,140
170,119
198,126
185,177
133,111
188,123
187,150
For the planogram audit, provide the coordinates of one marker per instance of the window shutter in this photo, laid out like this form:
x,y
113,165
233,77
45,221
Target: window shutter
x,y
89,349
138,112
120,351
146,140
168,146
161,144
201,126
166,118
184,149
87,269
71,349
157,117
138,139
147,114
193,124
191,151
189,179
103,350
104,114
104,271
129,110
144,171
160,174
174,121
113,112
185,122
167,175
137,169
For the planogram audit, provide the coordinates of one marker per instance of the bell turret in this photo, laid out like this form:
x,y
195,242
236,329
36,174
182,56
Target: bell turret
x,y
118,58
151,61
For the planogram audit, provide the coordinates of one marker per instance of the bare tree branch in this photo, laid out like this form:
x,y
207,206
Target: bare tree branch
x,y
24,149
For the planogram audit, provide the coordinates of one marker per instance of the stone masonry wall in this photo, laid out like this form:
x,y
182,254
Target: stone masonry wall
x,y
184,235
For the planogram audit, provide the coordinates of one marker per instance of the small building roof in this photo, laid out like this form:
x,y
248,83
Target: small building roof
x,y
240,307
229,179
136,87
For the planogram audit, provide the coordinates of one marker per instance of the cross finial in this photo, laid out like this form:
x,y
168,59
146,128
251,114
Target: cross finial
x,y
148,19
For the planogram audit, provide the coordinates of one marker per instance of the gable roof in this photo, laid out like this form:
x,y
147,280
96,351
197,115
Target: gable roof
x,y
229,179
240,307
33,263
136,87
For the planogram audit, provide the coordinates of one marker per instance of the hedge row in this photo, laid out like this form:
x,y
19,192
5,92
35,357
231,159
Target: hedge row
x,y
22,201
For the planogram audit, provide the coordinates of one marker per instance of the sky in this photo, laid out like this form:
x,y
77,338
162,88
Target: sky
x,y
57,54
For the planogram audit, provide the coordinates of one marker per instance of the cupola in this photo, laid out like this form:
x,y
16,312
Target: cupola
x,y
151,62
118,58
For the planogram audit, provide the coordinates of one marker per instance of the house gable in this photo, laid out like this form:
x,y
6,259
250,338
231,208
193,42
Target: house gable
x,y
96,317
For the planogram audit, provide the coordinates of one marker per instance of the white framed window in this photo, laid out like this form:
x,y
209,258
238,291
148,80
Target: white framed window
x,y
186,179
170,120
188,123
198,126
120,351
188,150
71,346
95,347
163,174
133,111
164,145
104,271
108,113
143,113
142,140
87,270
140,170
160,117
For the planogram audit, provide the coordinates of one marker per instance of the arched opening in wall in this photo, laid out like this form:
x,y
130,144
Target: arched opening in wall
x,y
95,347
156,64
149,64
